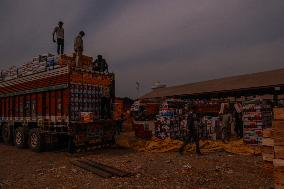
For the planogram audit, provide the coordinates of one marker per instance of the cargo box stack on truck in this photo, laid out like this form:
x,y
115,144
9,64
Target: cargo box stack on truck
x,y
57,102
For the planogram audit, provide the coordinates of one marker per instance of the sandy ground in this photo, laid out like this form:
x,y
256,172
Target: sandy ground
x,y
21,168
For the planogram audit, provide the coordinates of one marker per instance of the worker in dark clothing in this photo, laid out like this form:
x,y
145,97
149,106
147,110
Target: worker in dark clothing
x,y
226,125
193,123
239,124
59,32
120,123
100,64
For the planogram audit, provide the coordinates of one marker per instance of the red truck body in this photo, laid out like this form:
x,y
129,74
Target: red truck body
x,y
55,101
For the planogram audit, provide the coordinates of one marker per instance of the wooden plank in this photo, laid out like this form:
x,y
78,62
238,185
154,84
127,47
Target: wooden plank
x,y
109,169
92,169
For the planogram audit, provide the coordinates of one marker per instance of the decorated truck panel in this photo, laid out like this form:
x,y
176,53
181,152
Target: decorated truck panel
x,y
58,99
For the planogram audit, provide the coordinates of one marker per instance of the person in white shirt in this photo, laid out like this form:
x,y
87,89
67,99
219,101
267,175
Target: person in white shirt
x,y
79,47
59,32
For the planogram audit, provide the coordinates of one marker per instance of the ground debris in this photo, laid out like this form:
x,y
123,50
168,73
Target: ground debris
x,y
150,170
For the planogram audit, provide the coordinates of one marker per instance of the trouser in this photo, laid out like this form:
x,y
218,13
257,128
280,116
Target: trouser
x,y
118,126
78,58
194,136
226,132
239,129
60,46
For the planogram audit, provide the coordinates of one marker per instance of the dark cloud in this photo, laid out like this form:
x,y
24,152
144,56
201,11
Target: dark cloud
x,y
173,42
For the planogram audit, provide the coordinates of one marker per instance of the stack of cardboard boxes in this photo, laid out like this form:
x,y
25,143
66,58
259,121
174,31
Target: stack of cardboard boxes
x,y
257,115
171,120
212,124
38,64
278,136
268,149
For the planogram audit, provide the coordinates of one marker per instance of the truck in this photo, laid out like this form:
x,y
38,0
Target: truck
x,y
49,100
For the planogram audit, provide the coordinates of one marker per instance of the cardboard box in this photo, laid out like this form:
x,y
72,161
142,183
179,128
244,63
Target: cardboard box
x,y
267,149
267,133
278,113
279,141
267,142
279,175
267,157
268,166
86,117
278,125
279,152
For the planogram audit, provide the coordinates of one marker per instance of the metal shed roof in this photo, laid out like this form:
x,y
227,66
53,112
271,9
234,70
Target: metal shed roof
x,y
242,82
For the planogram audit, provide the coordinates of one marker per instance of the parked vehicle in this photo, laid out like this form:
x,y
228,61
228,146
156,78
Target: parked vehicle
x,y
57,103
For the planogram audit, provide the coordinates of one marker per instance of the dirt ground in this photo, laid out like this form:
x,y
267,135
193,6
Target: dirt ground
x,y
21,168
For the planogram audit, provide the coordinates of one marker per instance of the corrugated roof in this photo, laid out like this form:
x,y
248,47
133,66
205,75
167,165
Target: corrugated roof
x,y
241,82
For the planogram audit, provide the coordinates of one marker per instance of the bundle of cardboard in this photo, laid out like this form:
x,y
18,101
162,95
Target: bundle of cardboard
x,y
257,115
278,137
37,64
268,149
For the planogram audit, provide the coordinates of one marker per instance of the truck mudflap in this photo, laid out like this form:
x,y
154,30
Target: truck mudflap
x,y
97,133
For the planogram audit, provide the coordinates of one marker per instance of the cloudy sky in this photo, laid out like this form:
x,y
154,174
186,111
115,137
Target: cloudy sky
x,y
171,41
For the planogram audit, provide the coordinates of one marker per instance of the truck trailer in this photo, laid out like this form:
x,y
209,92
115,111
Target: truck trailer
x,y
50,101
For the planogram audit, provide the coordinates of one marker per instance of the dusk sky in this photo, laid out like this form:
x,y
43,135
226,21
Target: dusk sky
x,y
171,41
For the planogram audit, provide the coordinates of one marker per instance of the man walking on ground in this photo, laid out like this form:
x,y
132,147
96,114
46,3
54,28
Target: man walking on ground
x,y
193,123
59,31
120,123
239,124
79,47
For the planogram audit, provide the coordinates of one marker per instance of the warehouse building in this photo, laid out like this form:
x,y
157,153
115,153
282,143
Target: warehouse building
x,y
262,83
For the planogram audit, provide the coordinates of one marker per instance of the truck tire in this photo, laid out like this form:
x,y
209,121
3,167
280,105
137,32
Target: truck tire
x,y
21,137
7,134
36,142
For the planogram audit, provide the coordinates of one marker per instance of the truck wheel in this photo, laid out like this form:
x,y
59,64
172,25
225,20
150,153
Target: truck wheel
x,y
21,137
7,135
36,142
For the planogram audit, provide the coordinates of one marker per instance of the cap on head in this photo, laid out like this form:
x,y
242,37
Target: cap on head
x,y
82,33
60,23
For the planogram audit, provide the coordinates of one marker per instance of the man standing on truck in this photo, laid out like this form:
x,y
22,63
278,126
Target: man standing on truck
x,y
59,31
78,47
